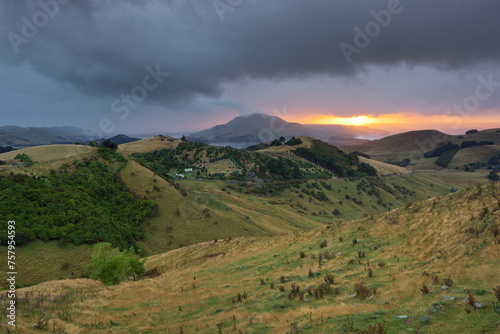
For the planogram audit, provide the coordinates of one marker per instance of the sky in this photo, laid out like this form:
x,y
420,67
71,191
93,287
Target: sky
x,y
148,66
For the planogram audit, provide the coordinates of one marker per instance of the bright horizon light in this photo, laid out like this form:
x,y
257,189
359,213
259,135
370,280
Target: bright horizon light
x,y
408,121
354,120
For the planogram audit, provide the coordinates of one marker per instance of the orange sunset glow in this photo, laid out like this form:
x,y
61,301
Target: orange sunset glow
x,y
405,121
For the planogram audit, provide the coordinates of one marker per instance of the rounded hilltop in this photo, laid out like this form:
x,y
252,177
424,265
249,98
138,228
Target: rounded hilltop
x,y
149,145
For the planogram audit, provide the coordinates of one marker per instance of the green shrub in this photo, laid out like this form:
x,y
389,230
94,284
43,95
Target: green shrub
x,y
24,158
111,266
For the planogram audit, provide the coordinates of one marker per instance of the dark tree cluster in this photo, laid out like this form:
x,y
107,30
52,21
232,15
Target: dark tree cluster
x,y
335,160
440,150
88,206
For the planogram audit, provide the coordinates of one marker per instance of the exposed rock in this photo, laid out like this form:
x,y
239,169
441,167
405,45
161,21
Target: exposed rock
x,y
445,297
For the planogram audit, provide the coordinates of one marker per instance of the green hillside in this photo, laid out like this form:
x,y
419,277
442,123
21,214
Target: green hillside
x,y
426,267
216,204
410,148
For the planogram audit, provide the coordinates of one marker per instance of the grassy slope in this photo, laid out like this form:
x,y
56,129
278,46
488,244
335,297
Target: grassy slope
x,y
384,168
399,147
183,221
474,154
40,261
412,145
458,179
205,214
49,152
45,158
446,237
286,151
148,145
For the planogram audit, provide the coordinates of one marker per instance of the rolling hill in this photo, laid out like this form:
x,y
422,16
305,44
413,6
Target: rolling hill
x,y
427,267
46,153
383,169
215,204
412,146
148,145
22,137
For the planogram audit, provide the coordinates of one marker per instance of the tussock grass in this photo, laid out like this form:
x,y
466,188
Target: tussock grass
x,y
148,145
430,237
39,262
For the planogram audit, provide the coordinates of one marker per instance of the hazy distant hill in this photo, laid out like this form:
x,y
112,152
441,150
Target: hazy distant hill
x,y
21,137
257,128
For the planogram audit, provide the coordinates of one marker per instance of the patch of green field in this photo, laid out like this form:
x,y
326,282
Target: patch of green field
x,y
39,261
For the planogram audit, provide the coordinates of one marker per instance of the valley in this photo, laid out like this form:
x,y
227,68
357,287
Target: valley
x,y
229,203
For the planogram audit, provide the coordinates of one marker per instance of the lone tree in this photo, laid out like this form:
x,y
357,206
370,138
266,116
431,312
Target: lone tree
x,y
471,132
111,266
183,138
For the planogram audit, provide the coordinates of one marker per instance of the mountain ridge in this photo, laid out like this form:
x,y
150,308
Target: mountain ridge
x,y
257,128
17,136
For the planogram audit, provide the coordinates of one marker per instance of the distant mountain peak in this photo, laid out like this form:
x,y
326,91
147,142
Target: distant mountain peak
x,y
255,114
259,127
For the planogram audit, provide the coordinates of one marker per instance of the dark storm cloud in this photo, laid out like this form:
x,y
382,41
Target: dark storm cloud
x,y
104,47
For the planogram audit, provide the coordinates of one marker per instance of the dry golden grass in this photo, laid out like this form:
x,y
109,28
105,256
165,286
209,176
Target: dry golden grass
x,y
474,154
45,158
148,145
56,288
384,168
207,213
397,147
198,282
48,153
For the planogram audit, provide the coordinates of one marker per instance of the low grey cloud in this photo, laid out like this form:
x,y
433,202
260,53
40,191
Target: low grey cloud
x,y
103,47
95,51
